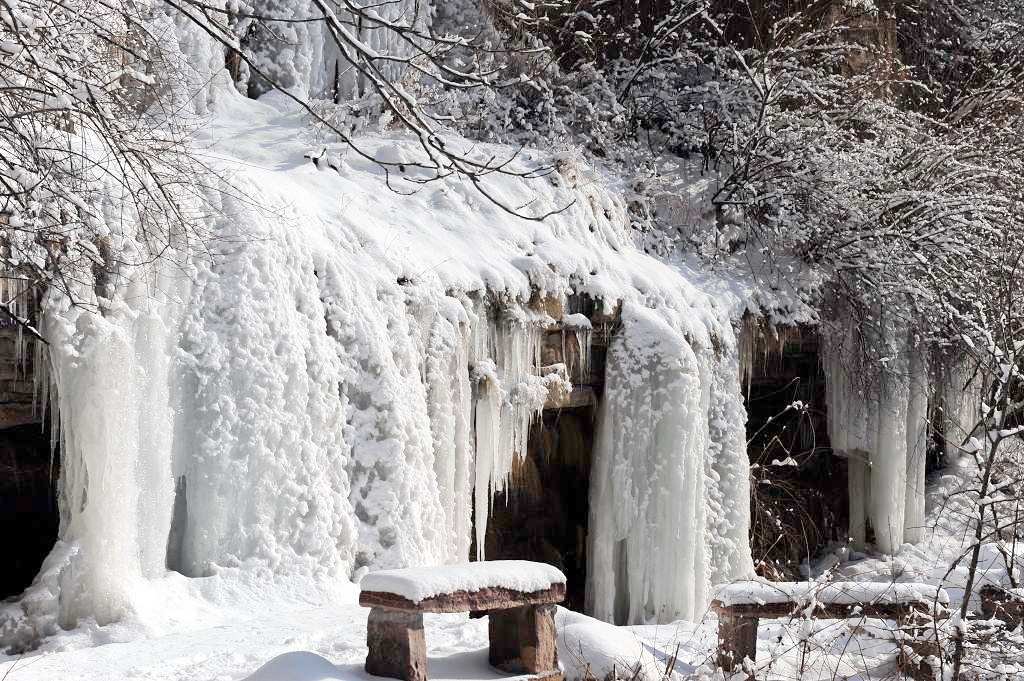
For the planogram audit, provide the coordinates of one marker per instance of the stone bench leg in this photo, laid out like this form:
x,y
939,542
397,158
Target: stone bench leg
x,y
523,639
397,648
737,639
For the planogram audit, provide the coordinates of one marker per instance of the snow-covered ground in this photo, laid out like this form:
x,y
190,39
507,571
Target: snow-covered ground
x,y
244,629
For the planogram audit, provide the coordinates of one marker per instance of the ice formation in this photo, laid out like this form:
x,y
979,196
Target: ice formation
x,y
303,56
510,396
917,444
342,377
650,465
877,418
960,395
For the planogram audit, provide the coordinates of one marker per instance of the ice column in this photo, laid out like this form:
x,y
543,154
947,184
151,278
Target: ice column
x,y
889,456
647,556
917,445
116,489
878,411
728,472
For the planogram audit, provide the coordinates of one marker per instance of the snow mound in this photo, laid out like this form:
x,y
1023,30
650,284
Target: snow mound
x,y
590,649
417,584
297,666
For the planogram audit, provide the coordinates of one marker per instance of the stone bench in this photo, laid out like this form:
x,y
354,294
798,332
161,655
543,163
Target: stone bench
x,y
741,606
518,596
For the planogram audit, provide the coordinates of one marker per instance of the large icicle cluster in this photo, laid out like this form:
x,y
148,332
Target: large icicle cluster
x,y
878,413
656,475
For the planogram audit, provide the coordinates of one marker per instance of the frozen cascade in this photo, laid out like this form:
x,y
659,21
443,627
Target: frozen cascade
x,y
445,332
960,398
649,466
876,412
315,400
889,457
302,56
114,379
727,472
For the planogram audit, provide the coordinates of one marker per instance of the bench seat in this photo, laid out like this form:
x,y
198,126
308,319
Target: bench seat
x,y
741,606
519,598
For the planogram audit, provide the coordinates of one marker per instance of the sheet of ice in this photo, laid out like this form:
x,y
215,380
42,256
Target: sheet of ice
x,y
876,419
649,466
917,445
838,593
419,583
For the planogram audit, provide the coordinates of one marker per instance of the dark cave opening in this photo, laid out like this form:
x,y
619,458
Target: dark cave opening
x,y
543,515
28,503
799,495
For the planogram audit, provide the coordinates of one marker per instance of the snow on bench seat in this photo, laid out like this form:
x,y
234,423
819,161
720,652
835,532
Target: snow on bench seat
x,y
484,585
758,593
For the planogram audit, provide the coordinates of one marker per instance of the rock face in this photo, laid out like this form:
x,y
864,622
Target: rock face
x,y
17,391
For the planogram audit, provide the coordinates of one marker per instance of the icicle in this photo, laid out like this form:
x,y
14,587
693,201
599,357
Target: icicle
x,y
582,330
510,396
917,445
445,372
488,446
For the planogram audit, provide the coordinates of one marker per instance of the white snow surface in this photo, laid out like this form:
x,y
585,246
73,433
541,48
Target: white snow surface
x,y
419,583
238,623
830,593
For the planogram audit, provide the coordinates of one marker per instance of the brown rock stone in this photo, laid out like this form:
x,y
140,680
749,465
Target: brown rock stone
x,y
737,640
523,639
1000,604
397,647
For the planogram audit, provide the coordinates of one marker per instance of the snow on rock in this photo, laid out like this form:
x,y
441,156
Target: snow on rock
x,y
829,593
419,583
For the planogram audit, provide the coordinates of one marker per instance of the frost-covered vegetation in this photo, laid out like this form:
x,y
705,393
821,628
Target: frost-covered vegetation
x,y
289,268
